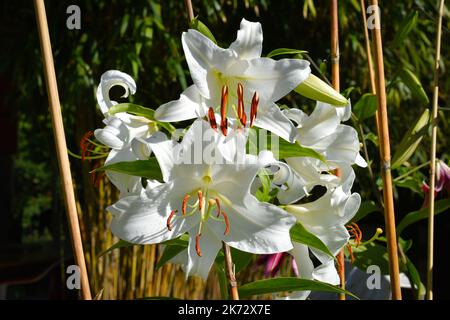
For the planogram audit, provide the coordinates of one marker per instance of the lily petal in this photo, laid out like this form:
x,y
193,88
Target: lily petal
x,y
188,106
126,184
142,219
272,119
248,44
209,245
110,79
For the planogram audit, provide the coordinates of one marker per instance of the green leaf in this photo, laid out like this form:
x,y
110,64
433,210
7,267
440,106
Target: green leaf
x,y
411,140
183,241
290,150
412,217
117,245
371,254
408,24
140,168
241,259
414,278
366,107
367,207
284,51
414,85
301,235
133,109
168,253
287,284
203,29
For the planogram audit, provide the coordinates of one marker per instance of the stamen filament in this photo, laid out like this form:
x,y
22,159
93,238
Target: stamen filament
x,y
254,108
183,207
169,226
197,244
212,118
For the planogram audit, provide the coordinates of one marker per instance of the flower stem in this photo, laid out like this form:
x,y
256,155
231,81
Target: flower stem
x,y
230,271
385,155
429,291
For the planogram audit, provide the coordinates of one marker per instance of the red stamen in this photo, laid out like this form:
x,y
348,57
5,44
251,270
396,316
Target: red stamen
x,y
84,143
218,207
243,118
223,110
212,118
200,200
169,226
350,251
227,223
254,108
197,245
224,126
183,206
240,93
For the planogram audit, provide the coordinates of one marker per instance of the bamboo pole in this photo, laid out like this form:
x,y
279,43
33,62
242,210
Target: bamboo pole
x,y
385,155
61,147
189,9
429,292
335,80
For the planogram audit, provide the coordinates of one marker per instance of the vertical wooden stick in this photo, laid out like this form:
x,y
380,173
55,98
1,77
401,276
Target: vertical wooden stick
x,y
190,10
429,292
335,80
61,148
385,155
230,272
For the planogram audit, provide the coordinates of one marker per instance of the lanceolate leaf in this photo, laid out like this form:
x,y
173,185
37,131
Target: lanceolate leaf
x,y
301,235
411,140
287,284
117,245
203,29
133,109
414,85
284,51
366,107
409,23
290,150
140,168
412,217
169,253
367,207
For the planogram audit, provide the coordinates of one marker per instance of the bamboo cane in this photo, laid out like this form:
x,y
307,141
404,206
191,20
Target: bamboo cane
x,y
61,147
385,155
429,292
335,80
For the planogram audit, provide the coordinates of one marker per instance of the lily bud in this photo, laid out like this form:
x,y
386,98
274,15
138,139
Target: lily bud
x,y
316,89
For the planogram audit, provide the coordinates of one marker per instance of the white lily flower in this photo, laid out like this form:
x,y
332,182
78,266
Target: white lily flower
x,y
251,80
212,202
323,132
121,131
326,218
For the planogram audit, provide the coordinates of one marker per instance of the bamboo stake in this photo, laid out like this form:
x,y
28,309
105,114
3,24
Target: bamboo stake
x,y
61,147
189,9
335,80
429,292
385,154
230,272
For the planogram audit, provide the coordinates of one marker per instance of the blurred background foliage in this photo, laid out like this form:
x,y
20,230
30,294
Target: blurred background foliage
x,y
142,38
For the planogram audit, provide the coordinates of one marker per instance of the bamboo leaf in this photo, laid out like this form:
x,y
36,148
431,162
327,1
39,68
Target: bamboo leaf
x,y
406,27
411,140
301,235
288,284
290,150
412,217
414,85
366,208
366,107
140,168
